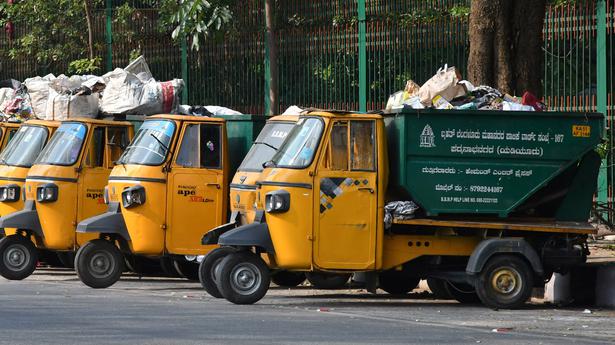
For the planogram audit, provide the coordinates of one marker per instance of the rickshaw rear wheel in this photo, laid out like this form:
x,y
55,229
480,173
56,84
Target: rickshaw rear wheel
x,y
166,264
209,270
186,269
99,264
289,279
18,257
327,281
244,278
67,259
397,282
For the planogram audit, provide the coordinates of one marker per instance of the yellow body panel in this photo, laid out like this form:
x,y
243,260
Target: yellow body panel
x,y
8,129
181,204
244,200
17,174
80,191
146,223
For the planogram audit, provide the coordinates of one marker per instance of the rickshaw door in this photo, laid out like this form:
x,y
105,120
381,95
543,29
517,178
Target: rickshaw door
x,y
346,197
195,188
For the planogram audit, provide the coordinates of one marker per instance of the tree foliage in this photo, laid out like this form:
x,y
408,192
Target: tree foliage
x,y
52,31
195,19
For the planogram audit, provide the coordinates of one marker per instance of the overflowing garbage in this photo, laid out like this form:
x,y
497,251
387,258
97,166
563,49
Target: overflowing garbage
x,y
399,210
447,90
130,90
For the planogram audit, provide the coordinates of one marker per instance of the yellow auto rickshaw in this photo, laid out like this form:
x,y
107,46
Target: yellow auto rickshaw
x,y
170,185
15,162
64,185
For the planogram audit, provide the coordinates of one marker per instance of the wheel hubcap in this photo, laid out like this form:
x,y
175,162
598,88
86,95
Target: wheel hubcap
x,y
505,281
101,264
245,278
17,257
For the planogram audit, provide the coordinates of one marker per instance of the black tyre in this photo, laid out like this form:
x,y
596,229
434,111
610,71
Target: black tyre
x,y
209,270
505,282
327,281
438,288
244,278
18,257
187,269
463,293
67,259
287,278
168,268
99,264
143,266
397,282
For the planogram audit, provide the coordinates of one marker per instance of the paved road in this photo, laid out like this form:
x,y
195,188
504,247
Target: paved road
x,y
53,307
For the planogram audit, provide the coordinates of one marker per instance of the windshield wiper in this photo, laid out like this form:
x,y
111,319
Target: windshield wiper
x,y
266,144
165,147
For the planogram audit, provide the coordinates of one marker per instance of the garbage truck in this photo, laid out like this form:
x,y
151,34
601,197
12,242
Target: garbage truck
x,y
170,185
502,201
64,186
15,162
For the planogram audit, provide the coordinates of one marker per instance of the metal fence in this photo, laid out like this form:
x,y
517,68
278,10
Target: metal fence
x,y
351,54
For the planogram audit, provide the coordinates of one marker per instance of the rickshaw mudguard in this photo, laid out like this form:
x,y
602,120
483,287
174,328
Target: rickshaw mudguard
x,y
250,235
110,222
26,219
212,236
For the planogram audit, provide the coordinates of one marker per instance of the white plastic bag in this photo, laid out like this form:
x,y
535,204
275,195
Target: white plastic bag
x,y
64,106
126,93
38,91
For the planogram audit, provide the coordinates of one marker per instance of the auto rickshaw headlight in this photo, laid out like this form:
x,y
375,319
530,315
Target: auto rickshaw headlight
x,y
277,201
133,196
47,193
106,195
9,193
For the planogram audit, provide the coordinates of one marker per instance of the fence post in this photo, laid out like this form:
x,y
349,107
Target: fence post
x,y
109,33
362,57
184,63
601,90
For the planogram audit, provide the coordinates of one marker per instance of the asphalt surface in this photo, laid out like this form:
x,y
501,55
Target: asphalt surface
x,y
54,307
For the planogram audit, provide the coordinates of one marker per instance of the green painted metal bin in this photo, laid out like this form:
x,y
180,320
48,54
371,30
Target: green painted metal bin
x,y
495,162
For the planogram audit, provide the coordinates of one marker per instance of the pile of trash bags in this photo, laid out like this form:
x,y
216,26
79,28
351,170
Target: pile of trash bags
x,y
130,90
447,90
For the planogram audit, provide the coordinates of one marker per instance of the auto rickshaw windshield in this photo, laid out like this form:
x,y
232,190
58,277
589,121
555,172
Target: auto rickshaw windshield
x,y
298,150
65,145
151,144
266,145
25,146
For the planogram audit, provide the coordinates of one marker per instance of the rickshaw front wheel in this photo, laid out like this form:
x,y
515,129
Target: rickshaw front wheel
x,y
244,278
209,270
18,257
99,264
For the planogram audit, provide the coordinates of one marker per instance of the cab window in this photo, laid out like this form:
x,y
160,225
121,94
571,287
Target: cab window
x,y
201,147
96,151
351,146
362,145
337,151
117,141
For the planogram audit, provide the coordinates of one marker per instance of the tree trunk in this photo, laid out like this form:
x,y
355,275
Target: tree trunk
x,y
506,45
88,19
271,42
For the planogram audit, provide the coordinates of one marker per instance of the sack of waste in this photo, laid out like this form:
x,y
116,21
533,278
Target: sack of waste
x,y
130,93
38,92
69,98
